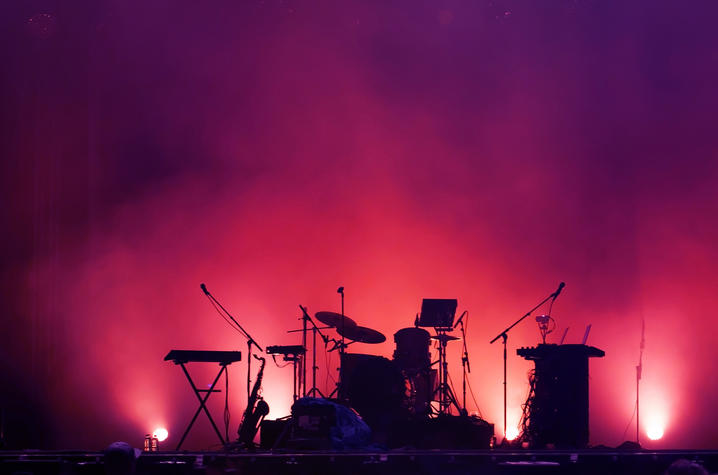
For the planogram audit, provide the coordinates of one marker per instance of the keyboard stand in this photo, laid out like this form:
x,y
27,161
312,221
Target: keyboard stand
x,y
203,400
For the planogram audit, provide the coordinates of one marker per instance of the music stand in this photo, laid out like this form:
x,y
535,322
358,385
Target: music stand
x,y
438,313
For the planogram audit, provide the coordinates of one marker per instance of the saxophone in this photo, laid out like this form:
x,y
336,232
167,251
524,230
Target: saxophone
x,y
257,408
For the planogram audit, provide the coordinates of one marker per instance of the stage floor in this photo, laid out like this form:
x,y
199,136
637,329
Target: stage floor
x,y
437,462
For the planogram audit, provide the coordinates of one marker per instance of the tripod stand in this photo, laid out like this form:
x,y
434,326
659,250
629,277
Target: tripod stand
x,y
303,376
444,394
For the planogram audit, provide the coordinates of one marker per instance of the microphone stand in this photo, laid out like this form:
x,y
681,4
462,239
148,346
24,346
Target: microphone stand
x,y
504,336
250,340
342,348
639,369
466,367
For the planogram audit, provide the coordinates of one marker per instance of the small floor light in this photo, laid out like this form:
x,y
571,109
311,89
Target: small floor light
x,y
512,433
654,431
161,434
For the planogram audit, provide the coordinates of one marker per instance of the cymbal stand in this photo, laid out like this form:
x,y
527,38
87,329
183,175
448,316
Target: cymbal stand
x,y
445,394
342,346
339,345
315,330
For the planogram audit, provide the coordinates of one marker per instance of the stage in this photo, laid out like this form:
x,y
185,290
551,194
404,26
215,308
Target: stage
x,y
590,461
364,236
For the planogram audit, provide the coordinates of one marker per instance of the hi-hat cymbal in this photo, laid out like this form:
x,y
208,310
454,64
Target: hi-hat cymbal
x,y
443,337
335,319
362,334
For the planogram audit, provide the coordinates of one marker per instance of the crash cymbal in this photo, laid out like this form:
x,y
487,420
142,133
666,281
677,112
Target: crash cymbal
x,y
362,334
335,319
443,337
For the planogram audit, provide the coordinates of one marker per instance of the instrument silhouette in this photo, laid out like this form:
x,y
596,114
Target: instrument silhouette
x,y
256,410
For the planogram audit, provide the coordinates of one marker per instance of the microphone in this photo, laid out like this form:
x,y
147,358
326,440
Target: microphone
x,y
460,318
204,289
340,290
558,291
542,319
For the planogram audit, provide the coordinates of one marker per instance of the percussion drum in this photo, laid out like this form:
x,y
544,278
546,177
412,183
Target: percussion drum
x,y
412,348
373,386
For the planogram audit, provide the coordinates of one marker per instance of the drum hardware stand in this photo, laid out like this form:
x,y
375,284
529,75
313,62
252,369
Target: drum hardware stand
x,y
439,313
250,340
504,336
303,372
341,346
446,395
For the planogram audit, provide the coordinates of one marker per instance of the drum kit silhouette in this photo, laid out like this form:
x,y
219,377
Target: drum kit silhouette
x,y
402,400
409,385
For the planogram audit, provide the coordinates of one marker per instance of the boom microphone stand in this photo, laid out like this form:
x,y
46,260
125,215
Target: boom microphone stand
x,y
250,340
504,336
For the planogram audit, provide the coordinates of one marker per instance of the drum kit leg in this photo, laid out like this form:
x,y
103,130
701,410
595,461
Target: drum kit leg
x,y
444,394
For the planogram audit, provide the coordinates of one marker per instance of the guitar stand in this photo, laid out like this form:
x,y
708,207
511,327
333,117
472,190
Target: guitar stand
x,y
203,400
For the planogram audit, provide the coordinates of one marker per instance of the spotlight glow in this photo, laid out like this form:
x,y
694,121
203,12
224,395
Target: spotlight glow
x,y
511,433
161,434
654,431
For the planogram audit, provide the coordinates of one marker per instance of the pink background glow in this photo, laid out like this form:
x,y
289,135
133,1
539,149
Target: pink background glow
x,y
276,150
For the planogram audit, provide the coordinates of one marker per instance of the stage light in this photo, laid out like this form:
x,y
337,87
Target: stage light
x,y
654,431
511,433
161,434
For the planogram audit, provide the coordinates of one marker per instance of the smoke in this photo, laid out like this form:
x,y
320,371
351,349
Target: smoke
x,y
275,151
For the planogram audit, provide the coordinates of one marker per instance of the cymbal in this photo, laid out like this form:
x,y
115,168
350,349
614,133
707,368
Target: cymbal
x,y
362,334
335,319
443,337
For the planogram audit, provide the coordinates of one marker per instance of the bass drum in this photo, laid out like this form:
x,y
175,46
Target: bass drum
x,y
373,385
